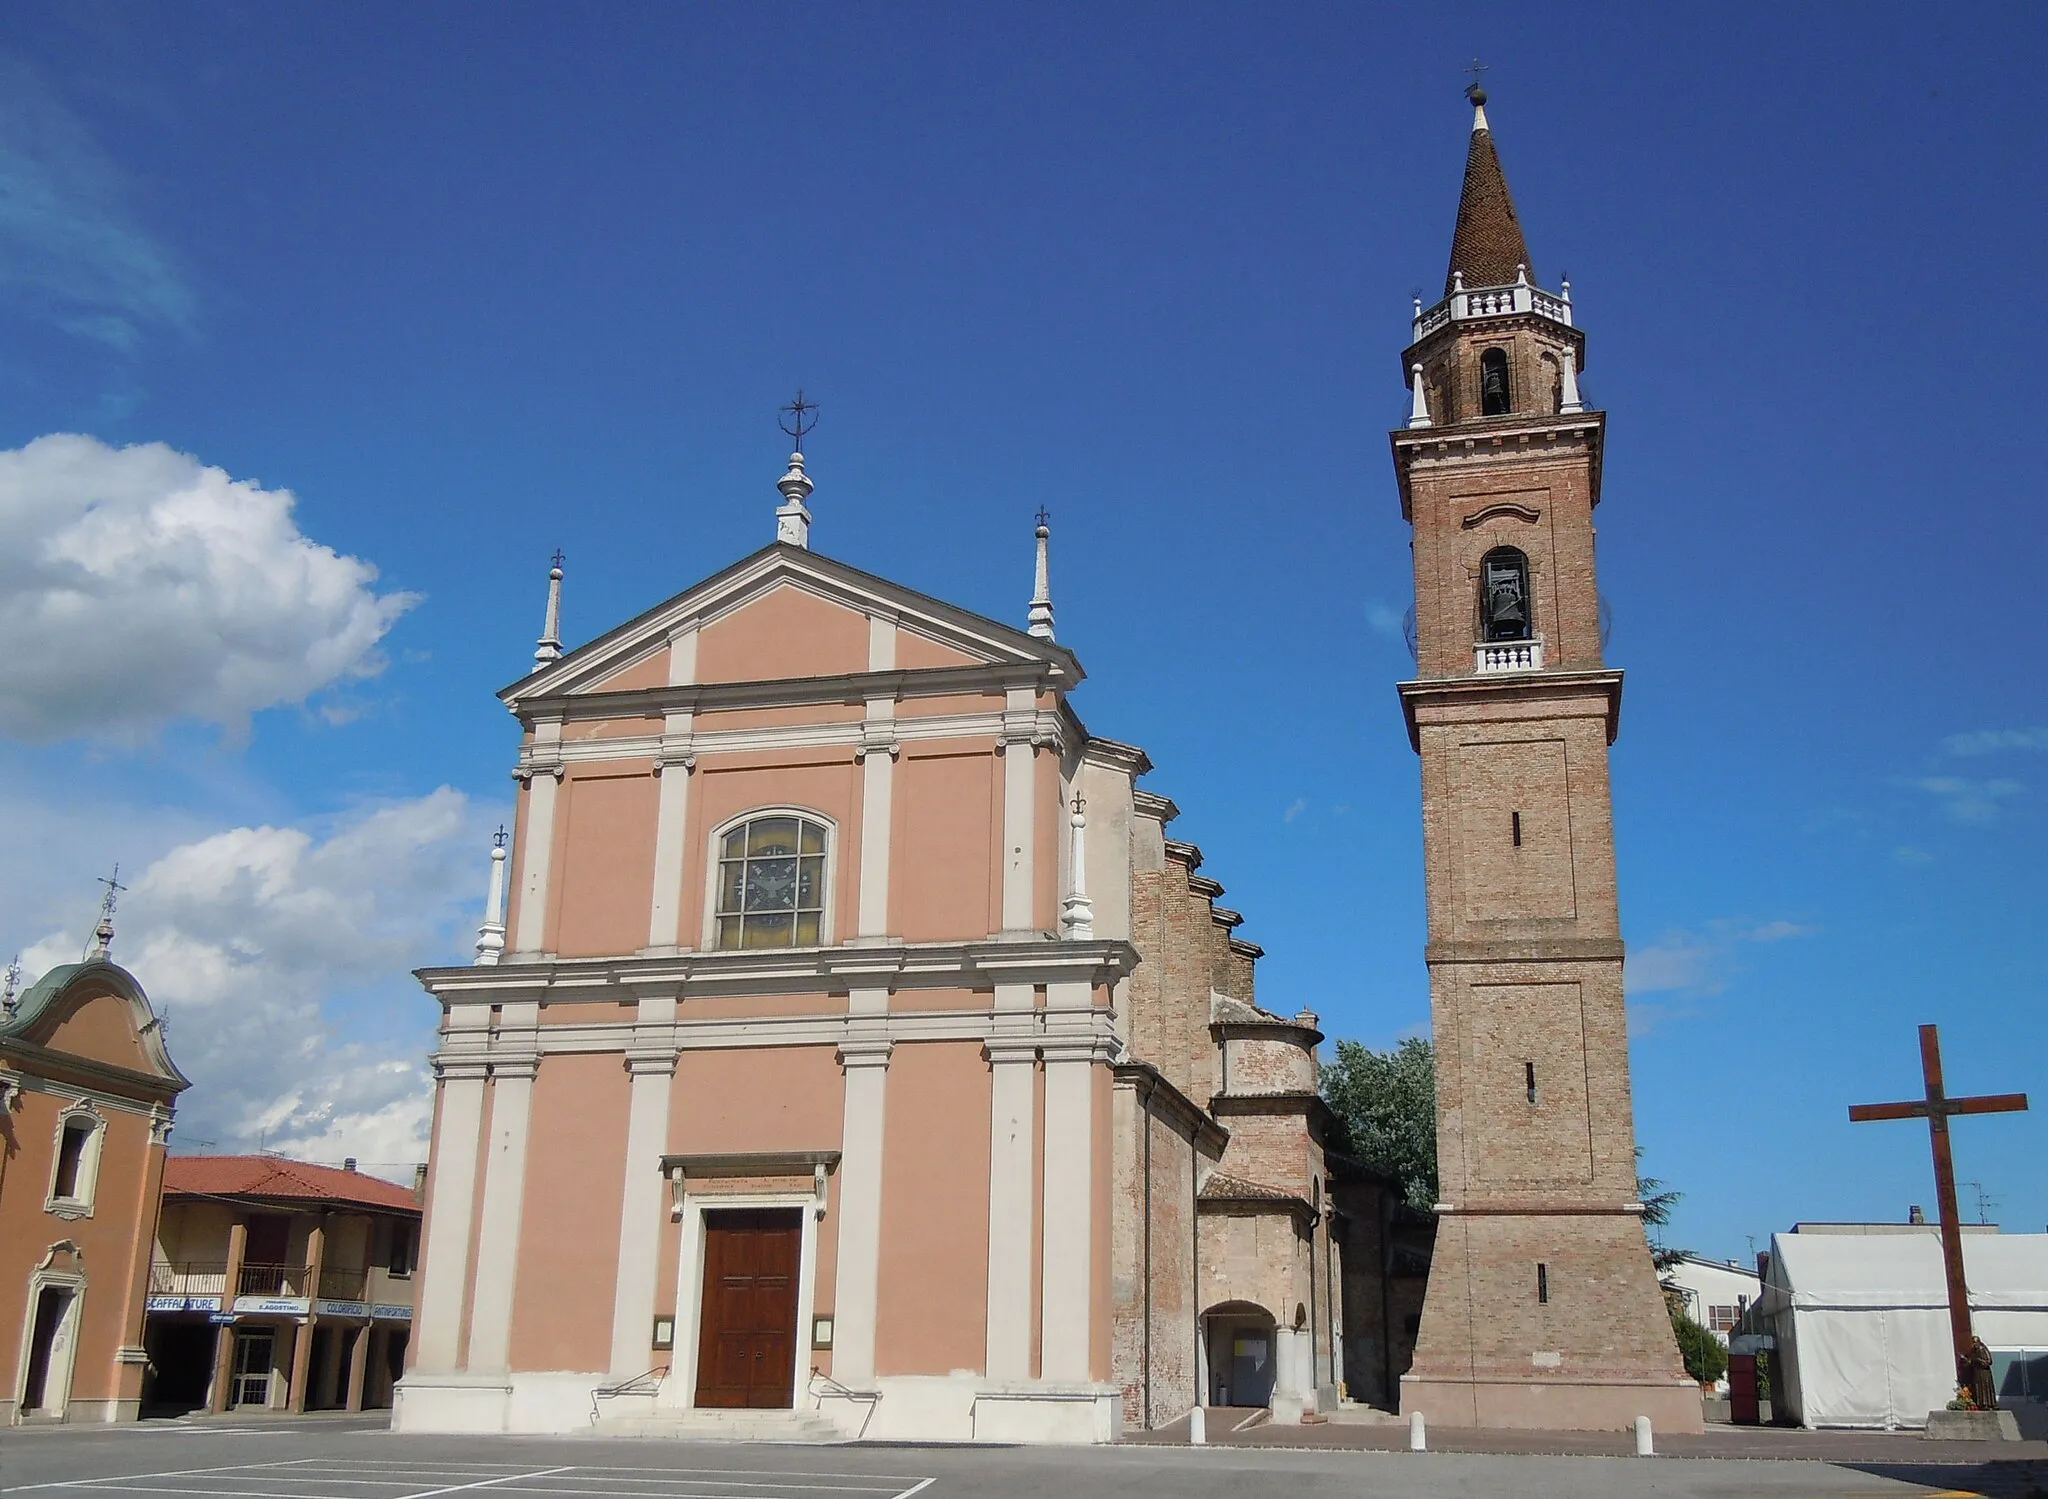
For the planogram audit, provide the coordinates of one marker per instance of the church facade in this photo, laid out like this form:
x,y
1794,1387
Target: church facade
x,y
859,1051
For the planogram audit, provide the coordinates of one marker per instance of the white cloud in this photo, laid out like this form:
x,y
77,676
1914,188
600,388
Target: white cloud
x,y
281,956
138,586
1996,741
1382,619
1967,800
71,253
1686,961
1294,809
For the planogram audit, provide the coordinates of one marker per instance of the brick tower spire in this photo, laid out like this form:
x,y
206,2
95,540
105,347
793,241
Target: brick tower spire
x,y
1543,1308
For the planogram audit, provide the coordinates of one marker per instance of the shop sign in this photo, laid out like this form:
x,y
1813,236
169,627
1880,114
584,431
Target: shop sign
x,y
342,1308
275,1306
164,1304
385,1311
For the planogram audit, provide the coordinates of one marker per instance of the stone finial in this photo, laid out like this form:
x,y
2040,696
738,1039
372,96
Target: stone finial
x,y
10,986
1077,912
1040,618
1568,369
792,519
550,646
490,937
1418,405
103,933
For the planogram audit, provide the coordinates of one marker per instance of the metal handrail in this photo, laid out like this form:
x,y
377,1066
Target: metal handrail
x,y
648,1383
834,1387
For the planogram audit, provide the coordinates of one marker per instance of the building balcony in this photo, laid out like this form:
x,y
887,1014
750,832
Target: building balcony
x,y
272,1280
1494,657
1465,303
188,1278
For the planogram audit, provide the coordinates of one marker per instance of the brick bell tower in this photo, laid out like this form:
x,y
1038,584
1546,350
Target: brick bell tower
x,y
1542,1309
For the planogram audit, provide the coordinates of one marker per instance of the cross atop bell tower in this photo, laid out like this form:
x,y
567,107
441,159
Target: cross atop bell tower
x,y
1542,1308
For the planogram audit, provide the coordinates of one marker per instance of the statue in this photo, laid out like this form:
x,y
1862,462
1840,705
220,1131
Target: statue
x,y
1976,1376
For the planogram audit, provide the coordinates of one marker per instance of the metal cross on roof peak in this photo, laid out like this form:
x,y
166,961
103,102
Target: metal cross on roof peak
x,y
1044,515
114,888
1475,87
797,411
557,560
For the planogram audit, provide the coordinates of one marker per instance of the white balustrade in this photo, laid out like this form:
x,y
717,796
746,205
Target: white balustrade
x,y
1466,302
1491,656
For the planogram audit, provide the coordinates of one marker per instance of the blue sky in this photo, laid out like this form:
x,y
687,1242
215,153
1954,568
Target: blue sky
x,y
473,285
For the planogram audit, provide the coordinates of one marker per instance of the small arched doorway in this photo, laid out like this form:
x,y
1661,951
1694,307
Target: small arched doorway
x,y
1242,1349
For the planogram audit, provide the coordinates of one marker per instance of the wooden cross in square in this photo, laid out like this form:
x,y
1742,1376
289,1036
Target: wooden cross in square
x,y
1937,1108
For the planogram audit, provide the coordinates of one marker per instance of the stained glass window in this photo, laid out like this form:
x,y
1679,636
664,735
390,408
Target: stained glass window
x,y
771,883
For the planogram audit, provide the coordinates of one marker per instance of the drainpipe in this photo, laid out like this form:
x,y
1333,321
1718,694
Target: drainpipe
x,y
1145,1123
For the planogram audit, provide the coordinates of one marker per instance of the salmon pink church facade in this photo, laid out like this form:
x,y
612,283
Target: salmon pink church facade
x,y
859,1053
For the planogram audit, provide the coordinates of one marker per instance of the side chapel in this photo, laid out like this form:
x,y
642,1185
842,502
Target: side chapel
x,y
859,1051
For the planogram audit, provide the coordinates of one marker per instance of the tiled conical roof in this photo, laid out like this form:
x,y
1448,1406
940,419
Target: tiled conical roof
x,y
1487,245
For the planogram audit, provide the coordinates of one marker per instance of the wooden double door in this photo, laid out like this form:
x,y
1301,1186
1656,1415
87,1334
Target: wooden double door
x,y
746,1340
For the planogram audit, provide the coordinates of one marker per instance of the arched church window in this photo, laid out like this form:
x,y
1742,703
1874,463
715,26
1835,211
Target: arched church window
x,y
1494,396
771,882
1504,595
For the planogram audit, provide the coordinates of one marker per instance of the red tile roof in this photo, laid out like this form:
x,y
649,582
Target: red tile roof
x,y
1487,244
276,1179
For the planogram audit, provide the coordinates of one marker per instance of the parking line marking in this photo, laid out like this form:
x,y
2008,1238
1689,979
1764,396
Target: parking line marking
x,y
486,1483
74,1483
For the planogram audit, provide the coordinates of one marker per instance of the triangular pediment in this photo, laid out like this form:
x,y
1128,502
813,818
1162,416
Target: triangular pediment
x,y
786,613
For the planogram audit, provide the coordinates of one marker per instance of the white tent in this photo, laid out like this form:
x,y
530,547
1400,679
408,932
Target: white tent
x,y
1861,1320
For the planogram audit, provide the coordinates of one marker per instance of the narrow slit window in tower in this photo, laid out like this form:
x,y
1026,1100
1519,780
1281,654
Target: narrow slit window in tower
x,y
1504,595
1494,396
1542,1283
1529,1075
1516,824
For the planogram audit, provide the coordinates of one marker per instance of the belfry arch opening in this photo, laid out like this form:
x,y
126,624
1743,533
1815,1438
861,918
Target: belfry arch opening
x,y
1504,612
1496,397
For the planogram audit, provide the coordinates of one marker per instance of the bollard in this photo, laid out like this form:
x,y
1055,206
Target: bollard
x,y
1644,1447
1417,1440
1198,1427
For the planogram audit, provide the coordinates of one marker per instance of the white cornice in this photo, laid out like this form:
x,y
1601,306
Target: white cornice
x,y
687,976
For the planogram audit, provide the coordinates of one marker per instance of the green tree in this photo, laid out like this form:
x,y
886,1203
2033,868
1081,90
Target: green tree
x,y
1705,1359
1385,1103
1658,1200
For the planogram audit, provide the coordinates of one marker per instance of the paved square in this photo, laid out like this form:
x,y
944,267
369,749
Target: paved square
x,y
397,1478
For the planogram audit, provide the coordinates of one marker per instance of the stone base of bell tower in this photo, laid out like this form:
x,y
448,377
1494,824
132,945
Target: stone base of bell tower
x,y
1549,1320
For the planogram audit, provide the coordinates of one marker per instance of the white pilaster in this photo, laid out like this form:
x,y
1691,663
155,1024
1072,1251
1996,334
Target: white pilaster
x,y
866,1060
444,1271
1020,785
652,1063
543,776
1013,1060
877,812
877,753
675,765
497,1240
1067,1254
